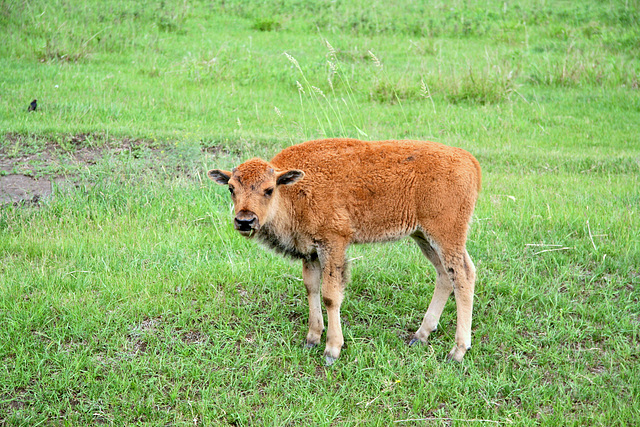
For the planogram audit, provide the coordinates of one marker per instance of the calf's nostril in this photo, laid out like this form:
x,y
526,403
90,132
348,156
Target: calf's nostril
x,y
244,224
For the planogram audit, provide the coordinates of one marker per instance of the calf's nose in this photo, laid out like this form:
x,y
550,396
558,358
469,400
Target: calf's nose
x,y
245,221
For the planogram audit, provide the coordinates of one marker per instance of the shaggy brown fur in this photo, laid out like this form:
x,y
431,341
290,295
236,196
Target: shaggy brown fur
x,y
313,200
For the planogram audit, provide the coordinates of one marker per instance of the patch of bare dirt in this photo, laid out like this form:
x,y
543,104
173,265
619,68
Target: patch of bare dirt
x,y
32,166
193,337
28,174
20,188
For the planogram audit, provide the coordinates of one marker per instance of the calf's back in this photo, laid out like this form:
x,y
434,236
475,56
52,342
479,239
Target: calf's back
x,y
377,191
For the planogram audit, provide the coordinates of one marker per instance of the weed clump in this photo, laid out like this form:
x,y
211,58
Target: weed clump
x,y
488,86
266,24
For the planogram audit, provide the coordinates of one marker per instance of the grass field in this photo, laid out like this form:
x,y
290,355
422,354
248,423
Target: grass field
x,y
126,297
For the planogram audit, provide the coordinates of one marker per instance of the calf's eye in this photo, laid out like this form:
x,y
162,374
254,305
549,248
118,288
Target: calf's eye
x,y
231,190
268,192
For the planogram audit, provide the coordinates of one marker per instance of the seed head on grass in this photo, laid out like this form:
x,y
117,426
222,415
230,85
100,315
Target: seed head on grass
x,y
318,91
426,93
375,59
293,60
333,68
332,51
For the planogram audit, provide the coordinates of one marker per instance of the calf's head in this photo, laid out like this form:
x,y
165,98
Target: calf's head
x,y
254,187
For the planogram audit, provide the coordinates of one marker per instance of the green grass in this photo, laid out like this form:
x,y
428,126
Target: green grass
x,y
127,297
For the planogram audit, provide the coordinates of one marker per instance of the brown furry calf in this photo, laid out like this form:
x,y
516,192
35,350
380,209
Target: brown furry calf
x,y
314,199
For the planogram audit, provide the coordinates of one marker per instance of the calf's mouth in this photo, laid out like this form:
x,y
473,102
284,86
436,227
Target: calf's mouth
x,y
246,223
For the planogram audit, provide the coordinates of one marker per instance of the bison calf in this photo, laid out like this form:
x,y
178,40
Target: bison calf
x,y
314,199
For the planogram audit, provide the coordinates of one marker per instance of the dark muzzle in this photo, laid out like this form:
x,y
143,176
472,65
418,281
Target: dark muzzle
x,y
246,221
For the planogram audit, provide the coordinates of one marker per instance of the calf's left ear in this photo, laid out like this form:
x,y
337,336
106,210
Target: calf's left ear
x,y
289,177
219,176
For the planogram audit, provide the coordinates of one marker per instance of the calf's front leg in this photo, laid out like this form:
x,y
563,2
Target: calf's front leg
x,y
312,277
334,275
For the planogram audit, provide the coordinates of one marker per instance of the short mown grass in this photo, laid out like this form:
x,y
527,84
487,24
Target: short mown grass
x,y
126,297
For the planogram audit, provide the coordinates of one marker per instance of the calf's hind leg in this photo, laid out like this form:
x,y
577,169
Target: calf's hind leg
x,y
456,273
441,292
462,274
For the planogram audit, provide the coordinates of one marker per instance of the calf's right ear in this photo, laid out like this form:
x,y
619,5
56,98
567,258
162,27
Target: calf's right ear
x,y
219,176
289,177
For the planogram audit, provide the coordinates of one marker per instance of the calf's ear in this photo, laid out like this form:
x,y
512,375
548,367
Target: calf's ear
x,y
219,176
289,177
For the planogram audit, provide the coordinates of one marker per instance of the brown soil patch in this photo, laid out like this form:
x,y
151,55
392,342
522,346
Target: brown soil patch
x,y
22,179
20,188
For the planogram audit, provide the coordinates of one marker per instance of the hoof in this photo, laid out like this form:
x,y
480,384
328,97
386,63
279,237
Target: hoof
x,y
452,359
329,360
309,345
456,354
415,341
